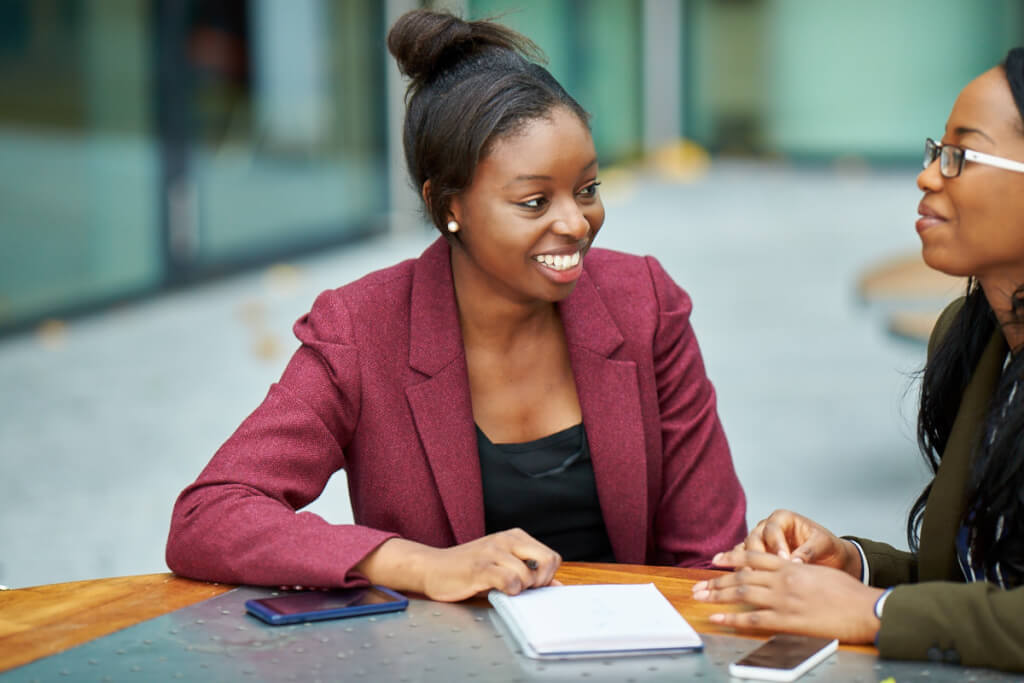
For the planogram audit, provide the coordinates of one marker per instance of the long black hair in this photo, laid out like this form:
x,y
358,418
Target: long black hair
x,y
472,83
994,515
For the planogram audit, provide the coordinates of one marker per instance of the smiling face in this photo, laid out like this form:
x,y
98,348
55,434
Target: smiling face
x,y
529,214
974,224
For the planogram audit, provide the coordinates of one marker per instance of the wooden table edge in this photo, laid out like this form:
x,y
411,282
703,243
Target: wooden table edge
x,y
40,621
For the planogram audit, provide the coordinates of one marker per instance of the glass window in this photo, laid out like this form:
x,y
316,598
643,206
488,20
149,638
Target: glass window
x,y
78,161
287,145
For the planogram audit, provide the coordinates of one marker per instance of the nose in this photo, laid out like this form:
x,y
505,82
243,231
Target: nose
x,y
930,178
570,221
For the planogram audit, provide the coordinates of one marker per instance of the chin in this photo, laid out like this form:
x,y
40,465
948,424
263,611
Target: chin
x,y
939,259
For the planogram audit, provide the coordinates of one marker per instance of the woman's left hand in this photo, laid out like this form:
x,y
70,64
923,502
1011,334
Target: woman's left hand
x,y
792,597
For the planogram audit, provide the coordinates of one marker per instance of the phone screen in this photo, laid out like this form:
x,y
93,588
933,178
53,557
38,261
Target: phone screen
x,y
784,652
321,601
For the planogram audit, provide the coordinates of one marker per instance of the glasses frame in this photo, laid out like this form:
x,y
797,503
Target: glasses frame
x,y
957,155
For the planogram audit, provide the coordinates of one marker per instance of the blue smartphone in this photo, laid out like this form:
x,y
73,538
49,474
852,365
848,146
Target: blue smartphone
x,y
296,608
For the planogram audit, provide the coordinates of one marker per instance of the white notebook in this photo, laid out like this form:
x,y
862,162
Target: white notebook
x,y
602,620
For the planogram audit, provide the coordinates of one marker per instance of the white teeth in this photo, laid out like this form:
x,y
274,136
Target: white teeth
x,y
559,262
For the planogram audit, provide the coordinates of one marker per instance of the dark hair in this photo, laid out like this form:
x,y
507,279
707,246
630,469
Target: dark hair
x,y
994,514
1013,67
472,83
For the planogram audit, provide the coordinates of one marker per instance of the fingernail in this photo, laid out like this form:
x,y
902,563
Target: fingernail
x,y
798,560
701,595
717,558
700,586
783,554
717,618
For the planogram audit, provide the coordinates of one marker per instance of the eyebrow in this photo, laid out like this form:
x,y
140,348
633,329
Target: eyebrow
x,y
964,130
528,177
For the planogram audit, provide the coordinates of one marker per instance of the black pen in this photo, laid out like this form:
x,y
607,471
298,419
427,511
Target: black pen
x,y
530,563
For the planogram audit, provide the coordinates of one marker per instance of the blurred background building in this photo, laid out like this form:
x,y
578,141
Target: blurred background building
x,y
153,149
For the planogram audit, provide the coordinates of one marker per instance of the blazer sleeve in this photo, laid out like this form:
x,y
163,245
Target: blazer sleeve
x,y
887,566
702,508
239,522
973,624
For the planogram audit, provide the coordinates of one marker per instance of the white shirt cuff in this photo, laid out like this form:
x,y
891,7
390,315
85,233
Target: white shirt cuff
x,y
865,572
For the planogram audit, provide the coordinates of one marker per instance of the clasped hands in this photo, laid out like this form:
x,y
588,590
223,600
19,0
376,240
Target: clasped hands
x,y
794,576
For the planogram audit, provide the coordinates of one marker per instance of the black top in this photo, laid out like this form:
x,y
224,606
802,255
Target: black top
x,y
546,487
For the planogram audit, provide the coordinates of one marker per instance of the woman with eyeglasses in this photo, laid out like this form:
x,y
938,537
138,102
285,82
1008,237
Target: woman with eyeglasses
x,y
958,596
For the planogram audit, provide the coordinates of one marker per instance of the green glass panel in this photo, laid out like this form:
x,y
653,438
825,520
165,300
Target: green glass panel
x,y
830,79
78,160
290,144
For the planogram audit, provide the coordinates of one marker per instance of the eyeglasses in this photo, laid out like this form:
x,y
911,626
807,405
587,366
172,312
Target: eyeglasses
x,y
951,159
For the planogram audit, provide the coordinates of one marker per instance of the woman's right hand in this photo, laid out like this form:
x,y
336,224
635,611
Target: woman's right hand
x,y
795,537
497,561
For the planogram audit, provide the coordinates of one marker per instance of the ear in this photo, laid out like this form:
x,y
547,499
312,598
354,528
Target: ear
x,y
425,193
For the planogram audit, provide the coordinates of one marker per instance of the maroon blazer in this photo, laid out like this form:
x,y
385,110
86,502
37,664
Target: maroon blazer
x,y
379,387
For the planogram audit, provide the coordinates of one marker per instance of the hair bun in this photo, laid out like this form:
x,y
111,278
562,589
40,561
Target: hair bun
x,y
425,43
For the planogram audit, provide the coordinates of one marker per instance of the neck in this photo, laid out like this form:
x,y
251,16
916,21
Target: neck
x,y
1000,299
486,318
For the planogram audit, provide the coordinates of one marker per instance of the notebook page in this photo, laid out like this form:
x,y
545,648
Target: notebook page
x,y
598,617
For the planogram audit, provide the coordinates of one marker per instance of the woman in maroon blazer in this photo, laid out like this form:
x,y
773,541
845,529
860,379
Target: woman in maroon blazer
x,y
510,398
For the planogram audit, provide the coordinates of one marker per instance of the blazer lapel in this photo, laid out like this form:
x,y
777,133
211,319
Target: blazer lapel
x,y
948,497
441,406
610,401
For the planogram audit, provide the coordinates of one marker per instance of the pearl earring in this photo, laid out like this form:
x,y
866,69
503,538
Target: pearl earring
x,y
453,226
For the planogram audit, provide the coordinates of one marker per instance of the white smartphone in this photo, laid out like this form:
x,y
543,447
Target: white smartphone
x,y
783,657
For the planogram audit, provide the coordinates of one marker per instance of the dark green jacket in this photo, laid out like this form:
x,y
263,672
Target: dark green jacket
x,y
932,613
